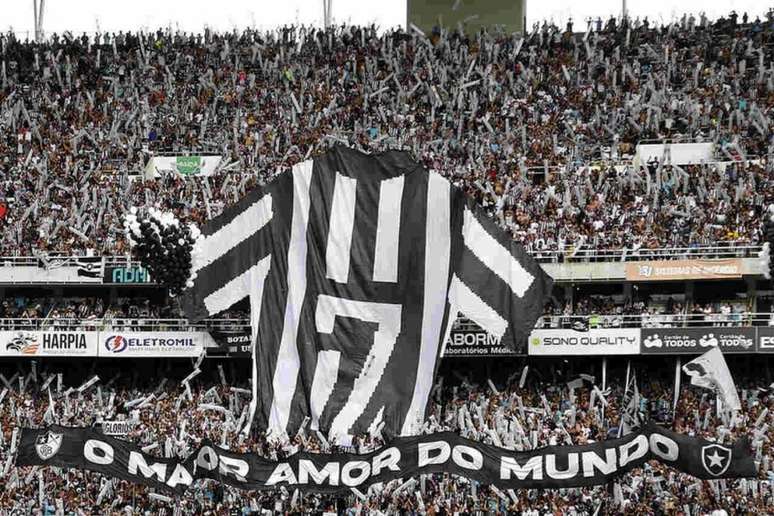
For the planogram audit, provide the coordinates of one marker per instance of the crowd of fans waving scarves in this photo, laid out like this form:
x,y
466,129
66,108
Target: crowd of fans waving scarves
x,y
532,127
178,425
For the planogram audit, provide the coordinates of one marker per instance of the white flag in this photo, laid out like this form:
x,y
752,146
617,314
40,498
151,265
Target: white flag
x,y
711,372
630,408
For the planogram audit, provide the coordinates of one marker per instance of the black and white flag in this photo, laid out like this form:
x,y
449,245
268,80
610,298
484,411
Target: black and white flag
x,y
631,419
711,372
356,266
89,267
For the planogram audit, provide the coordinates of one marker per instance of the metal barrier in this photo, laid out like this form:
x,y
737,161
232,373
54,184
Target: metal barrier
x,y
640,321
18,261
462,324
707,252
731,250
204,150
672,140
126,324
63,261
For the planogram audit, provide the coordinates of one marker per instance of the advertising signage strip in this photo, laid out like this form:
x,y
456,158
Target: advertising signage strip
x,y
556,342
765,339
669,270
133,275
48,344
230,343
608,341
151,344
115,344
474,344
670,341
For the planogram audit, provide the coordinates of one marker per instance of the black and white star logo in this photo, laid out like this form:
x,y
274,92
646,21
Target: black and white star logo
x,y
46,445
715,459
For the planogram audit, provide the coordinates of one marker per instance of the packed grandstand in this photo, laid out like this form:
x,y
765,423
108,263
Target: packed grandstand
x,y
633,160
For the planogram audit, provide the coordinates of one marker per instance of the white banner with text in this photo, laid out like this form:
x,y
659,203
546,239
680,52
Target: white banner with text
x,y
608,341
22,343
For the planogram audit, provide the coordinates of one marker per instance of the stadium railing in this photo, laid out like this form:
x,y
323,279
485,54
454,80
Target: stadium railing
x,y
707,252
641,321
124,324
719,251
202,150
544,322
680,138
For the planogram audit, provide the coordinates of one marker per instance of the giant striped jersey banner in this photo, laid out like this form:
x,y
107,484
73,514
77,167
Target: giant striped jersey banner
x,y
356,266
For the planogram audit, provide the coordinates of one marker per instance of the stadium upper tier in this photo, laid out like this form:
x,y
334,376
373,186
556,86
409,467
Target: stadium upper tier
x,y
540,130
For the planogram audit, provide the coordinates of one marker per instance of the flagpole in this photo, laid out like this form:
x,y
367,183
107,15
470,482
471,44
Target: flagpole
x,y
628,366
622,408
677,390
604,382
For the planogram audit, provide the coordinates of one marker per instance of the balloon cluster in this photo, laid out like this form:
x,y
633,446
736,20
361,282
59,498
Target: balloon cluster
x,y
164,246
768,238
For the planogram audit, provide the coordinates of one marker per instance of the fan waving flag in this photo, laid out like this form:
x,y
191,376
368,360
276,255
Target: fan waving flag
x,y
710,371
356,266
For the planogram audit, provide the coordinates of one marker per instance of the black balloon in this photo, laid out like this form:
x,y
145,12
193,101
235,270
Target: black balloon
x,y
160,250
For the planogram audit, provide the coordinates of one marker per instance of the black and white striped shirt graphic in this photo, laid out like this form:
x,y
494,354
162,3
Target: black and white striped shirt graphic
x,y
355,266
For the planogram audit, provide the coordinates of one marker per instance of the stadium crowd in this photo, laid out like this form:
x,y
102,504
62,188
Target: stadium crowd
x,y
19,312
603,312
157,311
547,410
540,129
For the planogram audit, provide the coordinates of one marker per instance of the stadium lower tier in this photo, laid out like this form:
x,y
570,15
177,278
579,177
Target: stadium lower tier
x,y
562,402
